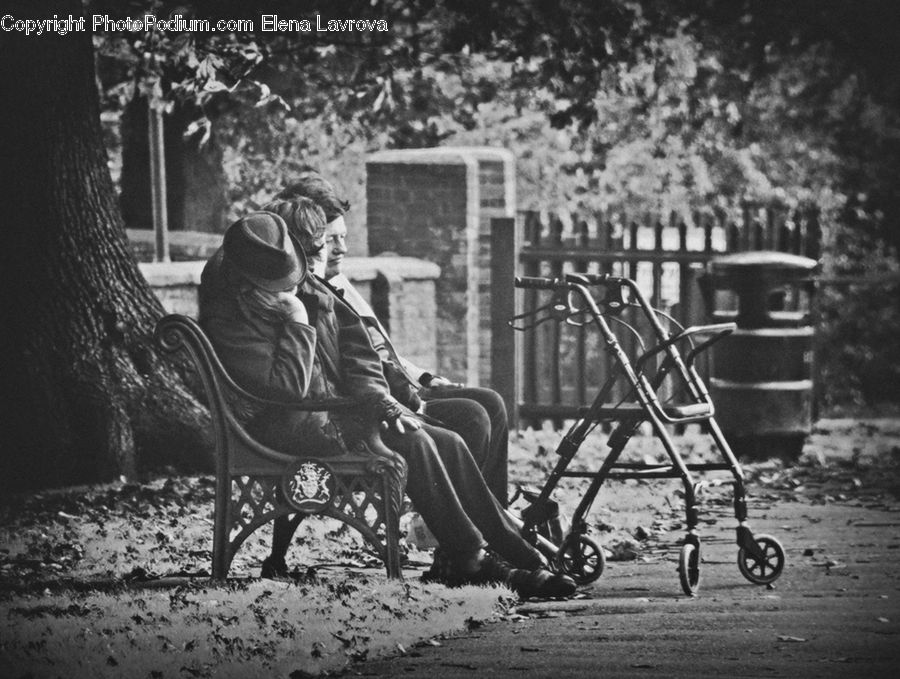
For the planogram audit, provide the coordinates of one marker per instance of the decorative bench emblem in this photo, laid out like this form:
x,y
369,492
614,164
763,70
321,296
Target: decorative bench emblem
x,y
310,486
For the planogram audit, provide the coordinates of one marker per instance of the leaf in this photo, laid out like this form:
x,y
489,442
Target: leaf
x,y
213,85
200,124
345,641
795,640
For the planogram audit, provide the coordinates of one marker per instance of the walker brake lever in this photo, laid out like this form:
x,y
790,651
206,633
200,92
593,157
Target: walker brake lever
x,y
531,314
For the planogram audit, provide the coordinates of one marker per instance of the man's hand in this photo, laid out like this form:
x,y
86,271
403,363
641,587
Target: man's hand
x,y
402,423
438,382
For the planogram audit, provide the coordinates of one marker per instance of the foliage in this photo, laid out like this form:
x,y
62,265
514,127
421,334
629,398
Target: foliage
x,y
850,94
858,327
279,145
608,102
267,147
672,132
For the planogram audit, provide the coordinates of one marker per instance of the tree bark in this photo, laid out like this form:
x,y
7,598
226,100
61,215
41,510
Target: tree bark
x,y
88,398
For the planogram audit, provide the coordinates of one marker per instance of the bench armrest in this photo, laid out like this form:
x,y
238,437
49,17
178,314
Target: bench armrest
x,y
385,455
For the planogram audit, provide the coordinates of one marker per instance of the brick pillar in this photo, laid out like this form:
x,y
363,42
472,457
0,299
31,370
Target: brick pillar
x,y
437,204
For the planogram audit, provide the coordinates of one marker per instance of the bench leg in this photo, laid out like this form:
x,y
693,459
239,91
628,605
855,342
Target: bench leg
x,y
393,496
221,556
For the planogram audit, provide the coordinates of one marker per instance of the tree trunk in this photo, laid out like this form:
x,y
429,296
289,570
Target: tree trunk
x,y
88,397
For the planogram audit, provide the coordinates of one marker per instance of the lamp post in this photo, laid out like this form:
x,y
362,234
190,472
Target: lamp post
x,y
158,178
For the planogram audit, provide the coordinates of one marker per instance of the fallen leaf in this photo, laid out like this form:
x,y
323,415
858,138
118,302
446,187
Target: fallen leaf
x,y
472,623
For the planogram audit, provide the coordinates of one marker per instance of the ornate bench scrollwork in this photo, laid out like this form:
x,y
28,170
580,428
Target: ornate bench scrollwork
x,y
255,484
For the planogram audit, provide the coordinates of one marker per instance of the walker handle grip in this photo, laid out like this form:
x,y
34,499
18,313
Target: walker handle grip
x,y
589,278
535,283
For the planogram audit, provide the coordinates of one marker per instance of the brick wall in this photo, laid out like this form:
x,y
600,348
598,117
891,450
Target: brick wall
x,y
436,205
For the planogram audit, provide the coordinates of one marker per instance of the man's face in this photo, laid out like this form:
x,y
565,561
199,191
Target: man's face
x,y
335,246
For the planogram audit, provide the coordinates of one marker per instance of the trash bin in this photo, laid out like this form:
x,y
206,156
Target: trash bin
x,y
761,375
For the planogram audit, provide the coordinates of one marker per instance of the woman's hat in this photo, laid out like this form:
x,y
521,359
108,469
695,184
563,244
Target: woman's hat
x,y
259,247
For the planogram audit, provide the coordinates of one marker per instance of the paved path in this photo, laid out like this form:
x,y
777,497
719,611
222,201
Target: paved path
x,y
835,611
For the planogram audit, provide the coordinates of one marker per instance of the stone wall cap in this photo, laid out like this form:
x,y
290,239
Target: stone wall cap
x,y
441,155
392,267
198,238
170,274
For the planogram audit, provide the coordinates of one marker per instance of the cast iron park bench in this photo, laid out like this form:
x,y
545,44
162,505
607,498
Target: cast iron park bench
x,y
255,484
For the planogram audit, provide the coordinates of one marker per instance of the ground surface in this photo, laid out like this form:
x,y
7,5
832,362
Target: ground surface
x,y
835,612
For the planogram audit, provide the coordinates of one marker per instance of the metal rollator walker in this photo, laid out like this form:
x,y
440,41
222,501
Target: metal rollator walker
x,y
761,557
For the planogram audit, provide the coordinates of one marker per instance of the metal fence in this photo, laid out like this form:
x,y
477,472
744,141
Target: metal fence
x,y
560,366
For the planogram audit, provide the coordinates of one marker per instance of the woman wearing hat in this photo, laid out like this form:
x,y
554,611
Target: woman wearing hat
x,y
270,349
261,330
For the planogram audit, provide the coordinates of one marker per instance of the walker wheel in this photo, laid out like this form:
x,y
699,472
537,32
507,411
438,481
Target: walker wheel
x,y
764,567
689,567
580,558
